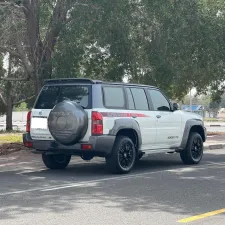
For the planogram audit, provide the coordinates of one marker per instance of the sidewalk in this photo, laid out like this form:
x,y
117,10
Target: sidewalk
x,y
214,124
215,142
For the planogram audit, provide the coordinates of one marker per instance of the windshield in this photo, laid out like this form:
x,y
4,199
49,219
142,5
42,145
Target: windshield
x,y
51,95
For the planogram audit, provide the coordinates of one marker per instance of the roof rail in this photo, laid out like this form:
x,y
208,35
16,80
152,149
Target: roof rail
x,y
69,80
89,81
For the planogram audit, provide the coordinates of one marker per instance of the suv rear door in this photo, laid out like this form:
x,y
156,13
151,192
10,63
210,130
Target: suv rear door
x,y
49,96
138,104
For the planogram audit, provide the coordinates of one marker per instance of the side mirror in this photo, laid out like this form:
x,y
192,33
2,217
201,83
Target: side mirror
x,y
175,106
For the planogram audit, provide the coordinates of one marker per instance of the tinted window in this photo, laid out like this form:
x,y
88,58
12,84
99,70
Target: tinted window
x,y
140,99
51,95
130,99
159,101
114,97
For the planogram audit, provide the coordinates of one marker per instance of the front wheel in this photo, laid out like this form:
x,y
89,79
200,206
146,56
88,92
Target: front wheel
x,y
57,161
123,156
194,150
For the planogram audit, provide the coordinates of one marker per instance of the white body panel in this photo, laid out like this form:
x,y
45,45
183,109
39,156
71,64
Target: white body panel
x,y
146,123
169,129
157,133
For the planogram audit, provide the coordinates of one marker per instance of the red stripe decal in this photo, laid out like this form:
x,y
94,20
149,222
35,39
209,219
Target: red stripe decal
x,y
114,114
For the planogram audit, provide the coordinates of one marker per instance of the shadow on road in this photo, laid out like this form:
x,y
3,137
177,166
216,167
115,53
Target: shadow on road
x,y
181,190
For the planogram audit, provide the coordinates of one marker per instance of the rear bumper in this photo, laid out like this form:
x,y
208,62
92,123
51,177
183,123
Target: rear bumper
x,y
101,146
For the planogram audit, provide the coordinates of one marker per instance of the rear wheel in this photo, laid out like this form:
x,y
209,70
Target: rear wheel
x,y
123,156
194,150
58,161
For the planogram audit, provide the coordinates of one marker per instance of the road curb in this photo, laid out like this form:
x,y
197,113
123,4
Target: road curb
x,y
217,125
214,147
214,125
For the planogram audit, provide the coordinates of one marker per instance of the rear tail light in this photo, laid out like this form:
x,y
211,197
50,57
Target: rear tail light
x,y
28,121
97,123
86,147
28,144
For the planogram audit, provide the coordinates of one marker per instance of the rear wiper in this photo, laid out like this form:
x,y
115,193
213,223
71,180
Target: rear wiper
x,y
78,102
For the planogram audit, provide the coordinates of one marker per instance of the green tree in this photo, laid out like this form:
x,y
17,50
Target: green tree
x,y
175,45
35,26
13,93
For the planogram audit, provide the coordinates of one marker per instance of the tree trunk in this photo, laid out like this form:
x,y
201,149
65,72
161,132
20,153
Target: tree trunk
x,y
9,106
37,84
9,109
9,101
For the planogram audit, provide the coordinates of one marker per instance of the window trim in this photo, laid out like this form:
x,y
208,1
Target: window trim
x,y
127,99
151,107
137,87
150,98
124,96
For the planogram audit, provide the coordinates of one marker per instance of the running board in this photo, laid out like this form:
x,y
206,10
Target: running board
x,y
167,151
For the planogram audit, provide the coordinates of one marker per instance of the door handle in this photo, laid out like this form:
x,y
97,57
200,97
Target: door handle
x,y
134,116
158,116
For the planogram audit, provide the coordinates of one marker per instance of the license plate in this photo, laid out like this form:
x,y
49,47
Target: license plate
x,y
39,123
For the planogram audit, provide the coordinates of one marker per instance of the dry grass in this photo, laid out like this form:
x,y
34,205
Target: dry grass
x,y
10,142
10,138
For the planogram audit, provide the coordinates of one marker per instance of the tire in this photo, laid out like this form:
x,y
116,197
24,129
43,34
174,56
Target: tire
x,y
56,162
123,157
194,150
68,122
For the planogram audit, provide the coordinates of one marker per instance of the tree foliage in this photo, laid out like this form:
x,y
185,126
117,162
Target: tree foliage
x,y
175,44
35,26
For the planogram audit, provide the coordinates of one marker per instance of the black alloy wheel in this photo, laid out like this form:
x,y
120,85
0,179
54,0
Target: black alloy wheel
x,y
123,156
194,150
126,154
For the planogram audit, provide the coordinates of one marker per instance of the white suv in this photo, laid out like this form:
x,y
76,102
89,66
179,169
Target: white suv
x,y
118,121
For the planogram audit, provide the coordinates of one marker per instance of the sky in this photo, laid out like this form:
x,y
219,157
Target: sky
x,y
5,62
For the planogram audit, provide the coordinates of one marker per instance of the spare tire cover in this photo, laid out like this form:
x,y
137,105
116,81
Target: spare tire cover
x,y
68,122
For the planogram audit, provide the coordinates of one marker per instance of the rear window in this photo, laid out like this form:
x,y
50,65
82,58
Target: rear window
x,y
114,97
51,95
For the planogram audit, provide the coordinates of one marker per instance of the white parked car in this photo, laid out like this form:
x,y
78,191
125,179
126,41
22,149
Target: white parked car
x,y
120,122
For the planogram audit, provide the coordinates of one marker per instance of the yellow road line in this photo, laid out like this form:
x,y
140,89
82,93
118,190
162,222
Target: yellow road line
x,y
202,216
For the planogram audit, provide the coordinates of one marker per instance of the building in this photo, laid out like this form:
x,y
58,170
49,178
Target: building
x,y
221,113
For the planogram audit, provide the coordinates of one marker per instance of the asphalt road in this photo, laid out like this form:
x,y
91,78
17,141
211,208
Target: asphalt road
x,y
160,190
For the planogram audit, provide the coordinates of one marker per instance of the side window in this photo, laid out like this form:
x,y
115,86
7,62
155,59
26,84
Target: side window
x,y
140,99
114,97
130,99
159,101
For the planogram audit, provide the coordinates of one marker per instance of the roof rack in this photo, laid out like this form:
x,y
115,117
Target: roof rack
x,y
69,80
89,81
126,84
